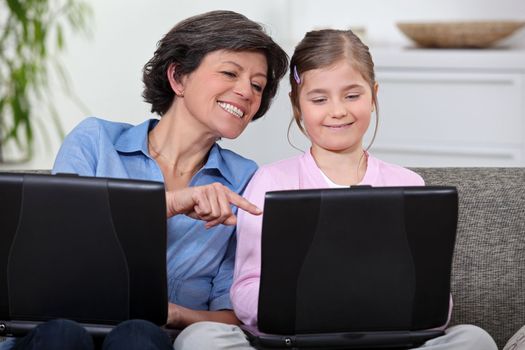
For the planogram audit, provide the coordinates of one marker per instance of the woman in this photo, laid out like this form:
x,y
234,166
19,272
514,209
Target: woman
x,y
209,77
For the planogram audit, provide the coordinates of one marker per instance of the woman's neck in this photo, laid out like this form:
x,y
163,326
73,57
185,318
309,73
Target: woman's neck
x,y
343,168
178,147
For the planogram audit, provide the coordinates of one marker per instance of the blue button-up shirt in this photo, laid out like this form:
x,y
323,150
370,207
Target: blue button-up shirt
x,y
199,260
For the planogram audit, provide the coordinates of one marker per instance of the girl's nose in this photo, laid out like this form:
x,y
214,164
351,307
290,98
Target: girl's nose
x,y
338,110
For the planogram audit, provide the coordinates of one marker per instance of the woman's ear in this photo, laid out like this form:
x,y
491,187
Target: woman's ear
x,y
176,82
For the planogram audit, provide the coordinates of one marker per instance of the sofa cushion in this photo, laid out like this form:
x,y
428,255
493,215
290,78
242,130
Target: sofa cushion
x,y
488,275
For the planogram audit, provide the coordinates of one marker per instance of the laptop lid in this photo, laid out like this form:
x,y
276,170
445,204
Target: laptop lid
x,y
358,259
83,248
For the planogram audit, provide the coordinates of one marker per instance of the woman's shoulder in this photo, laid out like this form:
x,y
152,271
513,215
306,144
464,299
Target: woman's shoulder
x,y
388,174
94,127
236,168
90,141
232,157
240,167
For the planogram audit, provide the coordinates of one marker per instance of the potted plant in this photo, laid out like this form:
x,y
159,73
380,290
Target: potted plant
x,y
32,35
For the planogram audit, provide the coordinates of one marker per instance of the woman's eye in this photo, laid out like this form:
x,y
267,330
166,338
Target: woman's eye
x,y
229,74
257,87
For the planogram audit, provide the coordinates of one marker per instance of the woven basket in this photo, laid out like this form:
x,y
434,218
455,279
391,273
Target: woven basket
x,y
459,34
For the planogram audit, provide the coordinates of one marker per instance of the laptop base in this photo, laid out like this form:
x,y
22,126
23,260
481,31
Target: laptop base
x,y
21,328
97,331
340,340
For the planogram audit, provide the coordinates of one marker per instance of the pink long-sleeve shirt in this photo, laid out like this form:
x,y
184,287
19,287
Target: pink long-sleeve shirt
x,y
300,172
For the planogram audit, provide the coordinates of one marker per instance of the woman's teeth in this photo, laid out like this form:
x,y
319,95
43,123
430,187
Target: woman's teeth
x,y
231,109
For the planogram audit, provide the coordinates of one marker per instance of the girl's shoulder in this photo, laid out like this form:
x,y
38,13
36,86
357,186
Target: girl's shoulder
x,y
281,174
381,173
283,165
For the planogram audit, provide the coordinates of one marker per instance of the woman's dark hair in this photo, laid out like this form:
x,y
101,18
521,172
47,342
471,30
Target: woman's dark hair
x,y
189,41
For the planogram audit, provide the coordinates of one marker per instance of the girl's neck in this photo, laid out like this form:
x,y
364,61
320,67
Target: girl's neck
x,y
343,168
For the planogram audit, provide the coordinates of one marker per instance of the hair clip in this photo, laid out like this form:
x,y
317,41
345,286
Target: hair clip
x,y
296,75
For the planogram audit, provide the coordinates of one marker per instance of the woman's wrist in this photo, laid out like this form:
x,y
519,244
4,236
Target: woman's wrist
x,y
181,317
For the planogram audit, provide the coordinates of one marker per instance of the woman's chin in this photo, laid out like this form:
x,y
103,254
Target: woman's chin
x,y
231,133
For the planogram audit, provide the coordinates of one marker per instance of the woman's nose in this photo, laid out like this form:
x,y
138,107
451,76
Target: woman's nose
x,y
243,87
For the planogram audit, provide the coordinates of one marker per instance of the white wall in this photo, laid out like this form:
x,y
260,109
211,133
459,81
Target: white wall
x,y
106,70
379,16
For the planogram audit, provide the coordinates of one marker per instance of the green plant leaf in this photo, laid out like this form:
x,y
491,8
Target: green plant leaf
x,y
17,9
60,37
30,40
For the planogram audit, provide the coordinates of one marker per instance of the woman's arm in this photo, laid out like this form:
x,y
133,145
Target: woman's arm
x,y
180,317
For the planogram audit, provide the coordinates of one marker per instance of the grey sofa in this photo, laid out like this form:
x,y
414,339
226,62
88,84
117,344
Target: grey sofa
x,y
488,276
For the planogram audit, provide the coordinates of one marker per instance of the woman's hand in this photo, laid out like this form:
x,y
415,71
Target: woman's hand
x,y
180,317
211,203
175,316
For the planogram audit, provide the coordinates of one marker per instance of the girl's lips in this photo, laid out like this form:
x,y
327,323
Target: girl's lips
x,y
341,126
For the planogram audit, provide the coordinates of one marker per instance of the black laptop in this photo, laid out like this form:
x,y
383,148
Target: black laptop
x,y
83,248
359,267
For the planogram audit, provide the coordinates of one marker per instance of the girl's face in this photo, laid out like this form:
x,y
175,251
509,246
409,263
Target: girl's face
x,y
335,104
225,91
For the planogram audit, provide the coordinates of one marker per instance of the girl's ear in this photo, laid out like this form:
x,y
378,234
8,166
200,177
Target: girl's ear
x,y
297,116
374,101
176,82
295,109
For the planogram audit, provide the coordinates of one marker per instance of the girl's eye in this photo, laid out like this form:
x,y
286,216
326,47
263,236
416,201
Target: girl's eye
x,y
318,100
352,96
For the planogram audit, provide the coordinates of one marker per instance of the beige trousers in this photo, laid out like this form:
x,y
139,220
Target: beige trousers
x,y
212,335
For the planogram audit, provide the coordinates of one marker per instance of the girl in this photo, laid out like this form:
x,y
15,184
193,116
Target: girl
x,y
333,94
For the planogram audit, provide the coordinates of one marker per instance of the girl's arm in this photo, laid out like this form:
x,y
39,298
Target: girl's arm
x,y
247,273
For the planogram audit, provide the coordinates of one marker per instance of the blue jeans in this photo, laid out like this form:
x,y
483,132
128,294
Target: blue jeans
x,y
66,334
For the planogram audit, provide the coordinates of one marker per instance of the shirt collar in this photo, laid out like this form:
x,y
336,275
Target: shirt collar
x,y
368,179
135,139
217,161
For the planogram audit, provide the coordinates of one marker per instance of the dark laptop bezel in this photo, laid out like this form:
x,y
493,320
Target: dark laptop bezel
x,y
133,212
305,206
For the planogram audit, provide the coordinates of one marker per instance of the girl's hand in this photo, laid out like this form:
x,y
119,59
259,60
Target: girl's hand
x,y
211,203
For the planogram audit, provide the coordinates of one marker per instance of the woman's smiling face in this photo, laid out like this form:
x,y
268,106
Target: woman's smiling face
x,y
225,91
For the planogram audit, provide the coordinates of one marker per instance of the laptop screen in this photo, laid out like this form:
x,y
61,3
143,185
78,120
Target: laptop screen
x,y
84,248
356,259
